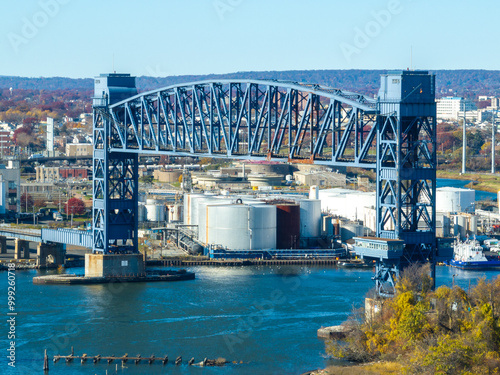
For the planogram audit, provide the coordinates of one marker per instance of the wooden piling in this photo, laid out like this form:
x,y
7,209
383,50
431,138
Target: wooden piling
x,y
45,362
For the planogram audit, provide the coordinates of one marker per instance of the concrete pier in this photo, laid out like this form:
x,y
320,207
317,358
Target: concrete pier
x,y
50,253
21,246
114,265
333,332
3,245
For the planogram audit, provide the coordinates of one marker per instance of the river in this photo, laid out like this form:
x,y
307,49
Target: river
x,y
480,195
264,317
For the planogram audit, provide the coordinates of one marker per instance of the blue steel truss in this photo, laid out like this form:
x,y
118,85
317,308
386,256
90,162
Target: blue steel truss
x,y
288,121
248,118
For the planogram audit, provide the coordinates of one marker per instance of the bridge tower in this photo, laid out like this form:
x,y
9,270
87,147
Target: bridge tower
x,y
115,181
406,169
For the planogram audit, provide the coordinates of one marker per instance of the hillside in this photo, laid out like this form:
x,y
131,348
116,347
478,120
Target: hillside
x,y
461,82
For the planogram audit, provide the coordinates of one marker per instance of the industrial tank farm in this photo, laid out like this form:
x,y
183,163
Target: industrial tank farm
x,y
250,222
241,226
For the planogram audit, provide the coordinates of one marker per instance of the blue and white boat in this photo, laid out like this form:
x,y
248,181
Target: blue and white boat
x,y
469,255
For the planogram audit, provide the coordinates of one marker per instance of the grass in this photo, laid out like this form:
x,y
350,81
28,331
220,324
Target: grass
x,y
376,368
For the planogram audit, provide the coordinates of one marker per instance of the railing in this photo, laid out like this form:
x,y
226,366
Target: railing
x,y
22,234
68,236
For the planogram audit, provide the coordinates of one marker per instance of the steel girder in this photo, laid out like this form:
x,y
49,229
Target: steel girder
x,y
248,118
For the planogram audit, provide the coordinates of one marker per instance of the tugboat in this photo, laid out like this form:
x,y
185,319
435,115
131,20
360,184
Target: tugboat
x,y
468,255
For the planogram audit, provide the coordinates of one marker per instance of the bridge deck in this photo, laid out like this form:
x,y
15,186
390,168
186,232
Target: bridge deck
x,y
66,236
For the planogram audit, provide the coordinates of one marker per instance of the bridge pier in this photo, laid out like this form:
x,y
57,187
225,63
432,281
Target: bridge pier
x,y
114,265
24,246
3,245
53,251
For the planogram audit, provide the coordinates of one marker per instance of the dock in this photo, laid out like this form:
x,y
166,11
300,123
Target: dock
x,y
333,332
164,360
178,262
149,276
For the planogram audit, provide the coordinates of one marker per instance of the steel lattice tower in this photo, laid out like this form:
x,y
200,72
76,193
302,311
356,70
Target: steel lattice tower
x,y
115,181
406,165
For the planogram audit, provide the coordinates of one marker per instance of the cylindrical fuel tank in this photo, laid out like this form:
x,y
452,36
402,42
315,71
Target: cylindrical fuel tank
x,y
141,212
202,215
174,213
313,192
310,218
242,227
188,203
155,211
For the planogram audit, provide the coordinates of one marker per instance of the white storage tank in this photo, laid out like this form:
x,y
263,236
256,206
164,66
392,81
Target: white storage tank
x,y
202,215
350,230
473,224
155,211
314,192
174,213
456,229
152,201
450,199
141,212
242,227
191,203
462,225
188,203
310,218
349,204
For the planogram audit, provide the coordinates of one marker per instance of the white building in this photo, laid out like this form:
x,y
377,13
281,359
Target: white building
x,y
320,178
451,108
79,149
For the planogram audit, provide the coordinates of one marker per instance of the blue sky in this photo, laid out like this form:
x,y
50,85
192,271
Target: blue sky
x,y
77,38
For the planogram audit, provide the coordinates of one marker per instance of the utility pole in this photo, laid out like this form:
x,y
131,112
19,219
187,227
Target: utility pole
x,y
493,132
464,140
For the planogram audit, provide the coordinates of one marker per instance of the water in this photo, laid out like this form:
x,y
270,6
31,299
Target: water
x,y
480,195
265,317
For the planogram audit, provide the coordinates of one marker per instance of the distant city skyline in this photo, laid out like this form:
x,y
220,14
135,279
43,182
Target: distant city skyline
x,y
81,39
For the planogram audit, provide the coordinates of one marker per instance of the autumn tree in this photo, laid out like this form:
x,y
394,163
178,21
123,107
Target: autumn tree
x,y
27,202
39,203
446,331
75,206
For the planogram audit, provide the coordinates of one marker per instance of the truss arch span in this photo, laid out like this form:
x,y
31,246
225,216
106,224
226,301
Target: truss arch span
x,y
248,118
